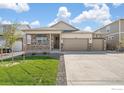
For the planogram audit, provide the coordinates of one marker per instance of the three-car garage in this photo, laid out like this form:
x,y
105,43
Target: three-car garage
x,y
81,42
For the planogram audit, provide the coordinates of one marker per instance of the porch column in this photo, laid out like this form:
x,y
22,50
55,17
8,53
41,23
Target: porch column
x,y
60,42
25,43
50,42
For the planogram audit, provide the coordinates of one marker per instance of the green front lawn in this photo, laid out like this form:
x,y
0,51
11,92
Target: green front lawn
x,y
35,70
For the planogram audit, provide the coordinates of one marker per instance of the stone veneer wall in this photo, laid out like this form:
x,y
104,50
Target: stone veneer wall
x,y
34,46
52,41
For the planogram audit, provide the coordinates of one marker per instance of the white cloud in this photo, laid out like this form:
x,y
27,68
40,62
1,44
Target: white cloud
x,y
88,28
35,24
18,7
32,24
63,14
97,12
91,5
22,7
105,22
24,22
5,22
117,4
0,19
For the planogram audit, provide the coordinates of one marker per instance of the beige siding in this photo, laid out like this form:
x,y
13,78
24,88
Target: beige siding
x,y
113,42
64,26
75,35
42,32
98,44
103,30
122,40
112,36
113,28
78,35
122,25
75,44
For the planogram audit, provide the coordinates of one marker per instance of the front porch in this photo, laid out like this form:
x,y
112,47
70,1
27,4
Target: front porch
x,y
40,43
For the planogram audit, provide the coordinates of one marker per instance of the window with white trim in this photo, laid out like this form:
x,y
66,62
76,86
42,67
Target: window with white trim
x,y
42,40
108,29
28,39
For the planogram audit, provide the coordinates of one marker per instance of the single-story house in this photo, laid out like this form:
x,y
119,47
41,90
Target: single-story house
x,y
62,37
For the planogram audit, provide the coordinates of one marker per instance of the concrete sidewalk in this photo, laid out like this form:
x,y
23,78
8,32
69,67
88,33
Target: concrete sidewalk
x,y
9,55
94,69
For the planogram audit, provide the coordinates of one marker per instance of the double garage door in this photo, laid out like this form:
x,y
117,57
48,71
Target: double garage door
x,y
75,44
78,44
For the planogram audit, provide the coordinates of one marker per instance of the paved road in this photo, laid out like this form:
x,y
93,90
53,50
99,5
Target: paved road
x,y
94,69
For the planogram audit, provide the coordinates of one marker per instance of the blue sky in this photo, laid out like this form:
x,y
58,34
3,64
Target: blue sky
x,y
84,16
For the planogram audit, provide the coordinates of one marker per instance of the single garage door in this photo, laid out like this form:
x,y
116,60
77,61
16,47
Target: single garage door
x,y
75,44
98,44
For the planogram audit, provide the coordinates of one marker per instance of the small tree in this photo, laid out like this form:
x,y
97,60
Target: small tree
x,y
10,36
1,52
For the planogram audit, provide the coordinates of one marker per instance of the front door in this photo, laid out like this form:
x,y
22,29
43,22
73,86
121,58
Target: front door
x,y
56,41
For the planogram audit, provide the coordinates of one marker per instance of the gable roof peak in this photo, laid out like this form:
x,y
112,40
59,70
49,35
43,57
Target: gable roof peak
x,y
63,22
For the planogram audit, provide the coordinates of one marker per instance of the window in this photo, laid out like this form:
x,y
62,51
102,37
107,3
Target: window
x,y
108,29
112,38
28,39
42,40
1,29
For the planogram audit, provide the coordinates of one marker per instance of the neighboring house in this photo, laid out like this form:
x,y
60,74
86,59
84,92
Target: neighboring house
x,y
114,34
62,37
1,40
18,45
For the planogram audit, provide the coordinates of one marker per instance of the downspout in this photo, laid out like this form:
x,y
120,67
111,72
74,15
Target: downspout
x,y
119,34
24,46
50,42
60,42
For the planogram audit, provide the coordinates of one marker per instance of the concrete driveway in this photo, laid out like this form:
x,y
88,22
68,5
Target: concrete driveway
x,y
94,69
